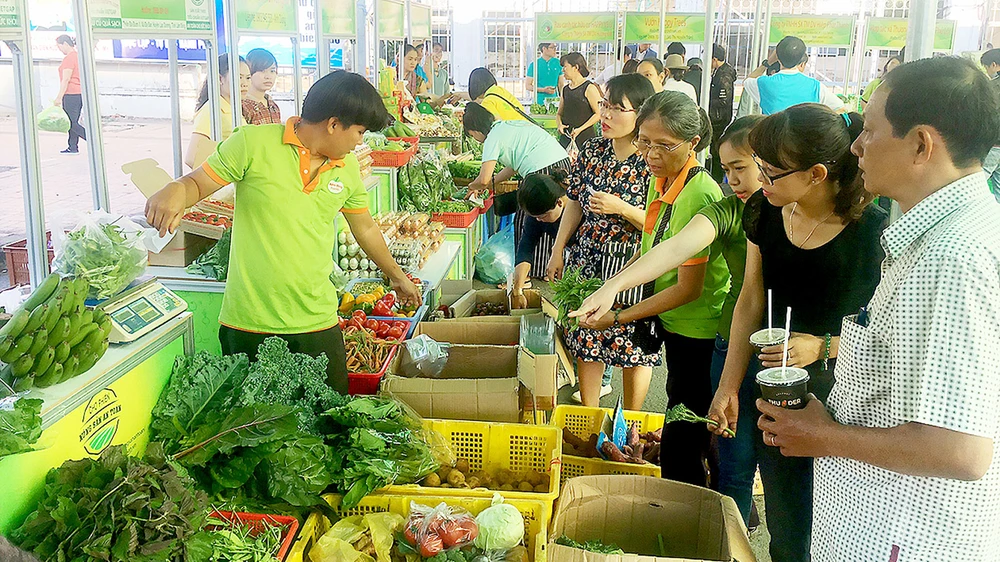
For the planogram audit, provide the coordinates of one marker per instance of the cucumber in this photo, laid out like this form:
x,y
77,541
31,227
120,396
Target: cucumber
x,y
62,352
40,342
24,383
43,361
70,369
52,376
22,366
16,324
38,317
59,332
20,347
43,292
6,342
81,334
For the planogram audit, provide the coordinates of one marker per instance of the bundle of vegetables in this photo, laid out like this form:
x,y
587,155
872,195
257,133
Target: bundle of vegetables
x,y
546,109
379,142
367,353
107,255
591,546
682,413
399,130
473,146
381,329
379,443
570,292
215,261
53,337
118,507
20,426
236,541
468,169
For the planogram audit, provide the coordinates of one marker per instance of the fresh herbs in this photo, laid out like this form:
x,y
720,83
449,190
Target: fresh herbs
x,y
590,546
20,427
682,413
236,542
570,292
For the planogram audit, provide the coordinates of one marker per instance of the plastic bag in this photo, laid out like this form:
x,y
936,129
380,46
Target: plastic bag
x,y
54,120
361,538
495,260
573,150
432,530
425,356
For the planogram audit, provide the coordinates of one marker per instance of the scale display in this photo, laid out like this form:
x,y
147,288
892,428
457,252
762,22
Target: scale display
x,y
141,310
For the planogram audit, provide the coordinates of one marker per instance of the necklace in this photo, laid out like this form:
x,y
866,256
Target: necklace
x,y
791,228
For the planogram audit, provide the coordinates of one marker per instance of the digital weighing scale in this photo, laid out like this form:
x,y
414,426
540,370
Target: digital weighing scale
x,y
140,310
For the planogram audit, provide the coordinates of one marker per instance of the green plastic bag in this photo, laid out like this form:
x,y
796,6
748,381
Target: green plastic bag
x,y
54,119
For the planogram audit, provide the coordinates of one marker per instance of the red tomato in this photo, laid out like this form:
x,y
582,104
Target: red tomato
x,y
382,309
356,323
431,545
401,325
410,534
389,299
458,533
371,324
360,314
342,323
383,330
394,333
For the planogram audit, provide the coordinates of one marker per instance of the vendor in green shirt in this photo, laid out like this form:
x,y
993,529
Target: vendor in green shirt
x,y
292,180
545,75
722,222
689,299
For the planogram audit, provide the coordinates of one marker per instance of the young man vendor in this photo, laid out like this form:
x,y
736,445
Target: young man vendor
x,y
291,181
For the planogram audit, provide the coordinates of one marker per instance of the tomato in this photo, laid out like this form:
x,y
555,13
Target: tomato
x,y
356,324
342,323
360,315
410,534
383,330
401,325
389,299
431,545
371,324
381,309
458,533
394,333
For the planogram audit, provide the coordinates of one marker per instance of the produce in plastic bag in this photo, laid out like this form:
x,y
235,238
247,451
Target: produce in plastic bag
x,y
361,538
54,120
431,531
108,251
428,357
573,150
495,260
501,526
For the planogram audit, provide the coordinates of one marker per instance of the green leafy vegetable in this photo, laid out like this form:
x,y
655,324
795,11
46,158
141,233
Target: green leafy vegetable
x,y
681,412
234,542
215,261
570,292
107,256
451,207
20,427
590,546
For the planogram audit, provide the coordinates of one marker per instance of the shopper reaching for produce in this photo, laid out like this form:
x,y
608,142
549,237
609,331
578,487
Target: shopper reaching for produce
x,y
292,181
542,198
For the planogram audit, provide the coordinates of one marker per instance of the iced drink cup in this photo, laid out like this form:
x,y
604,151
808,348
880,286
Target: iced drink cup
x,y
768,337
784,387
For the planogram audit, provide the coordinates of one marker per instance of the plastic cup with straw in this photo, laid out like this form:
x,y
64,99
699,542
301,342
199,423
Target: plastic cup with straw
x,y
784,386
769,336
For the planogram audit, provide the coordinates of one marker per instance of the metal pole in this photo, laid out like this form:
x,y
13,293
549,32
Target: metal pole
x,y
663,16
758,14
766,32
91,106
850,57
297,72
214,94
322,43
706,61
620,45
175,108
409,22
31,175
378,46
920,33
233,41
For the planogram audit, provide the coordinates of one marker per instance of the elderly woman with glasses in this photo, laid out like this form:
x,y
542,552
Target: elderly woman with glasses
x,y
683,306
607,194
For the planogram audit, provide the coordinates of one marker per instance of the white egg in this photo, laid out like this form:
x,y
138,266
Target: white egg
x,y
342,249
344,263
342,237
354,263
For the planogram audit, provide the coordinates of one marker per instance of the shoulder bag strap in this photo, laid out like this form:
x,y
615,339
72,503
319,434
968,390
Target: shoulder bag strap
x,y
517,109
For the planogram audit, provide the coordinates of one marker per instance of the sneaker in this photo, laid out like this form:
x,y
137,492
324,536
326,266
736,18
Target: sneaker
x,y
605,390
70,151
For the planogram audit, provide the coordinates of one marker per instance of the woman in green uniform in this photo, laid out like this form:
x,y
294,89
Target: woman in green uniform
x,y
292,180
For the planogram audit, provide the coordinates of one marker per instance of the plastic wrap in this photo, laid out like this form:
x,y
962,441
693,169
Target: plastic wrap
x,y
361,538
432,530
427,356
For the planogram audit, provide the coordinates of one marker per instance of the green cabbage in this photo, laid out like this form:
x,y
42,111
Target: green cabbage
x,y
501,526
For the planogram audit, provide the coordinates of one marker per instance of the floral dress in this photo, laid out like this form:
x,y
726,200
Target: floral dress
x,y
604,244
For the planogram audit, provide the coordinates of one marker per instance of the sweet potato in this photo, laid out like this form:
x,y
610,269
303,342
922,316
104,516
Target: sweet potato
x,y
633,435
573,440
653,436
613,453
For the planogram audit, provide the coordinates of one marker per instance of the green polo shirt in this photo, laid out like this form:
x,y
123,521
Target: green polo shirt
x,y
698,319
727,218
548,75
283,233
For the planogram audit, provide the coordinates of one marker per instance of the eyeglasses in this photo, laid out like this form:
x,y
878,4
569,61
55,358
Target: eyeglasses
x,y
769,180
646,147
613,108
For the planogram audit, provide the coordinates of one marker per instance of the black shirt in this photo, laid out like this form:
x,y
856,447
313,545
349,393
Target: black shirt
x,y
533,232
824,284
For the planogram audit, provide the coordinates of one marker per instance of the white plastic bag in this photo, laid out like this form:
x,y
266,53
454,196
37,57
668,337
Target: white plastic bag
x,y
573,150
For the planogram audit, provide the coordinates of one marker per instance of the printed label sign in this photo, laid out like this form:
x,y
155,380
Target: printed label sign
x,y
577,28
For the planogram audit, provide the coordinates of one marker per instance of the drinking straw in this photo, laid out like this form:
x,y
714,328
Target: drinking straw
x,y
788,327
769,313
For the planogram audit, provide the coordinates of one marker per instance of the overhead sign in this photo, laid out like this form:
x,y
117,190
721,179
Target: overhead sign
x,y
267,16
816,31
575,27
338,18
172,17
391,22
890,33
11,20
420,25
643,27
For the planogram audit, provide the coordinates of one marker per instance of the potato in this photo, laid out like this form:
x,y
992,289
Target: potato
x,y
432,480
534,478
525,486
504,476
443,473
473,482
545,480
456,478
462,466
446,485
542,488
507,487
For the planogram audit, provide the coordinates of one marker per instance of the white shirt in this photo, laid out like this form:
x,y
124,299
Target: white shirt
x,y
680,86
607,74
929,354
826,97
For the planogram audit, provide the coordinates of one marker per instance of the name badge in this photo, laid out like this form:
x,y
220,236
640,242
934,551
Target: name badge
x,y
335,187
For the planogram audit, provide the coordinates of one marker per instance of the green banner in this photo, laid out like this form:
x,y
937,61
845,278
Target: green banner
x,y
575,27
391,22
642,27
420,26
338,18
890,33
179,17
267,16
10,20
816,31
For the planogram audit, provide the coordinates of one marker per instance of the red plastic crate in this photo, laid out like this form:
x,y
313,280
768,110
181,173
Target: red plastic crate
x,y
487,205
395,159
457,220
367,383
17,260
256,523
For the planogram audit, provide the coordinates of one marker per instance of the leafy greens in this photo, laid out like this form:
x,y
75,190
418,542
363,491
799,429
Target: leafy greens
x,y
20,427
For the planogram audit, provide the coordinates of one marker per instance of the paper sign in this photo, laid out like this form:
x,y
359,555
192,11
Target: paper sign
x,y
575,27
890,33
816,31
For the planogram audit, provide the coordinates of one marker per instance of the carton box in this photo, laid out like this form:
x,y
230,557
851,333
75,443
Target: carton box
x,y
464,390
454,289
463,308
183,249
633,512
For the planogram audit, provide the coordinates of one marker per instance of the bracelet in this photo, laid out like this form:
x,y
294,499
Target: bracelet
x,y
617,311
827,341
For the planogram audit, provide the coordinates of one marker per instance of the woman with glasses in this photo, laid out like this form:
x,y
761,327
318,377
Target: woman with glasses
x,y
813,241
605,212
685,303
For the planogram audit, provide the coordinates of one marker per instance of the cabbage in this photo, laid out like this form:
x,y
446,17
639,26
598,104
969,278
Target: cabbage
x,y
501,526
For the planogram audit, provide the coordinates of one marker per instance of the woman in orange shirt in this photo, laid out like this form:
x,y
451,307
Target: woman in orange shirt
x,y
70,97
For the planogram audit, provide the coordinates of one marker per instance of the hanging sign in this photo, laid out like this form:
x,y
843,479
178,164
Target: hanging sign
x,y
391,22
174,17
338,18
420,26
267,16
643,27
575,27
890,33
11,22
816,31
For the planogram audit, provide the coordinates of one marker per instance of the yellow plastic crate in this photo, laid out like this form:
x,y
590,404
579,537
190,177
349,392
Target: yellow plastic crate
x,y
583,421
535,513
516,447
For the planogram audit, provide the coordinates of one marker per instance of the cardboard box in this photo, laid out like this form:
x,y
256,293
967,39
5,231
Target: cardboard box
x,y
463,308
696,524
182,250
464,390
454,289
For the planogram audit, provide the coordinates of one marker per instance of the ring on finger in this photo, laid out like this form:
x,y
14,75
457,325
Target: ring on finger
x,y
772,440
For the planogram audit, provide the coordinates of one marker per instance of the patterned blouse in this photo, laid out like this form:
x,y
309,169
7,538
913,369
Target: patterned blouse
x,y
261,113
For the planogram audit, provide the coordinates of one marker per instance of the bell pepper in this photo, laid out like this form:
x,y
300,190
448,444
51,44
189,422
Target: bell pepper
x,y
389,300
379,292
382,309
400,324
346,302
